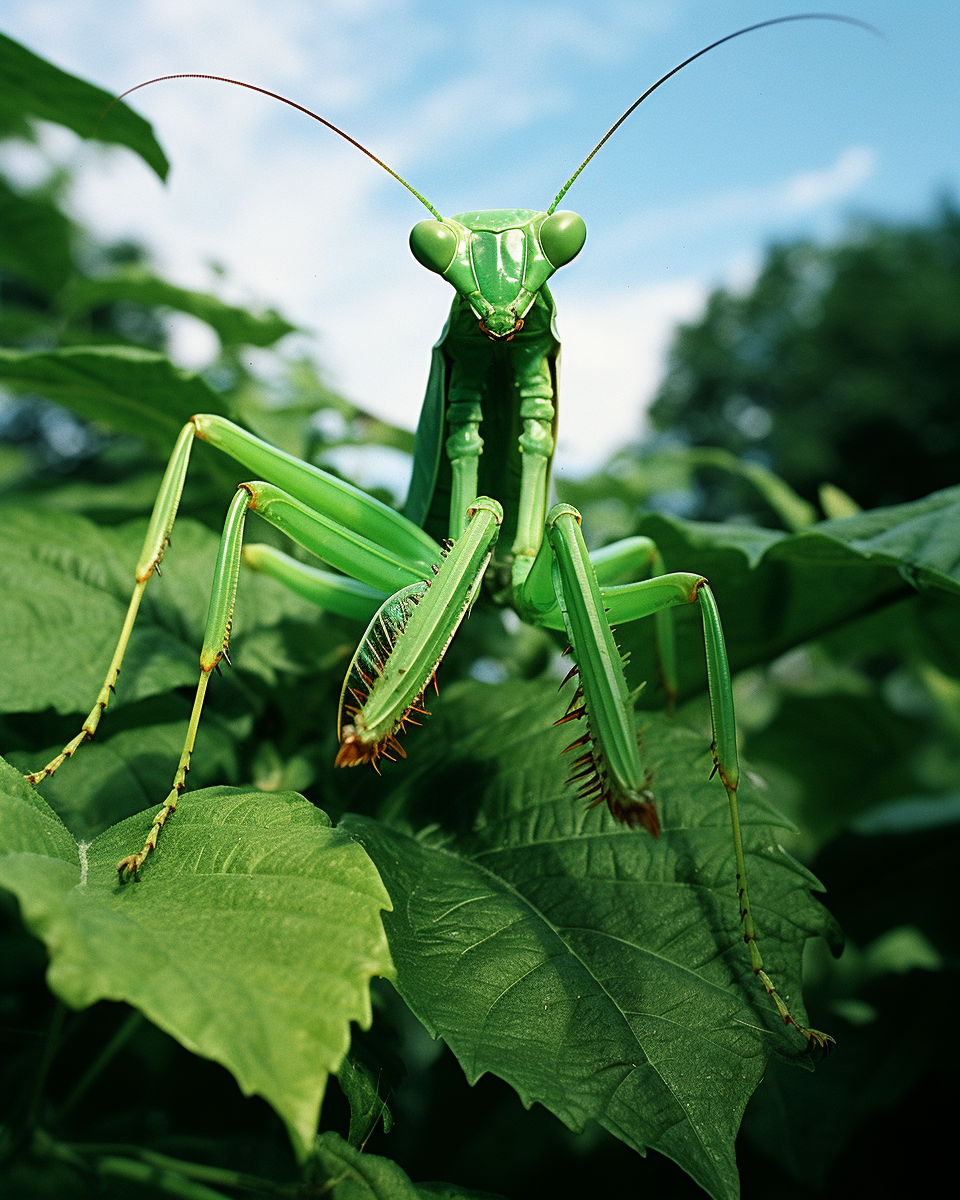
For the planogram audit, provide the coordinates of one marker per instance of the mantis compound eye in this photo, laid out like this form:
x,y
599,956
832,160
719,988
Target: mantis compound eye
x,y
433,244
561,237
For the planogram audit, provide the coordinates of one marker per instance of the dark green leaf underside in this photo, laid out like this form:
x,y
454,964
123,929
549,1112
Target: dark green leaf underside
x,y
36,88
123,387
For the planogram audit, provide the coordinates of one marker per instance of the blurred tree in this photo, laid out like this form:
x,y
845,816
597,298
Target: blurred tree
x,y
841,365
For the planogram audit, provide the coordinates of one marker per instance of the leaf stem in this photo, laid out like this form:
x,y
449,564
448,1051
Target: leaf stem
x,y
50,1046
127,1029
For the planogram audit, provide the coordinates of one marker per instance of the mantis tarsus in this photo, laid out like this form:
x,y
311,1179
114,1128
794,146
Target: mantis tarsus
x,y
476,516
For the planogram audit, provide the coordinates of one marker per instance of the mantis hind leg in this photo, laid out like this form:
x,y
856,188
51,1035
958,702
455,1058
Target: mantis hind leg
x,y
407,638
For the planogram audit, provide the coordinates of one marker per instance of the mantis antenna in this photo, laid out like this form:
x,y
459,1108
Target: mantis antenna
x,y
293,104
686,62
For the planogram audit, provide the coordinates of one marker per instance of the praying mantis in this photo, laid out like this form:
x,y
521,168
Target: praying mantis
x,y
477,520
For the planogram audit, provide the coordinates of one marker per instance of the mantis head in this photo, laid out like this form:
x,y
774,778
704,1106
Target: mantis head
x,y
499,260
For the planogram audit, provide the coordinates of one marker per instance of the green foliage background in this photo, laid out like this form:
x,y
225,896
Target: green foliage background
x,y
177,1037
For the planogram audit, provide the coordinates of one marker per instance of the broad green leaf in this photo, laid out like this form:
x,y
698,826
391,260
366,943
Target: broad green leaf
x,y
777,590
600,972
234,326
122,387
251,938
65,584
33,87
29,825
35,239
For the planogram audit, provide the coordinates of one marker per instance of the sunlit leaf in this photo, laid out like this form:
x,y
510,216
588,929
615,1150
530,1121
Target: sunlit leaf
x,y
251,939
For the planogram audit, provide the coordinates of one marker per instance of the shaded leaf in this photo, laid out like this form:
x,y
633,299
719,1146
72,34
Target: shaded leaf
x,y
600,972
33,87
65,584
350,1175
35,239
368,1077
251,939
122,387
777,590
234,326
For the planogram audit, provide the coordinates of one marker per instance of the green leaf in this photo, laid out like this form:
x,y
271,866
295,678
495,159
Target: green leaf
x,y
368,1076
251,939
350,1175
233,326
29,825
778,590
33,87
123,387
65,584
35,243
600,972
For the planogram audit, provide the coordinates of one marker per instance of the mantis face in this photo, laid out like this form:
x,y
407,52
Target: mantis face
x,y
499,260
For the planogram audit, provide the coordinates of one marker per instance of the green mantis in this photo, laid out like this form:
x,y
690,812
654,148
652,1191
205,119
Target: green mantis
x,y
478,519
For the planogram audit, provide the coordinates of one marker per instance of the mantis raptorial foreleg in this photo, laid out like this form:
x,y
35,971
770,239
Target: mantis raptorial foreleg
x,y
399,654
610,766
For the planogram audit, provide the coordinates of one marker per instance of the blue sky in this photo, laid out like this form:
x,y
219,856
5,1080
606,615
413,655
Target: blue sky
x,y
786,132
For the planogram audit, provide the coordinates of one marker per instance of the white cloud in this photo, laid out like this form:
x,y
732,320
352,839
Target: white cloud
x,y
810,189
613,354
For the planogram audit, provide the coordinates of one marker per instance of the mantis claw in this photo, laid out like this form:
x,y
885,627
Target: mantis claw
x,y
129,868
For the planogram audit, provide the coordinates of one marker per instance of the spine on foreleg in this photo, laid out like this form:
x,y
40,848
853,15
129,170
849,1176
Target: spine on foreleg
x,y
609,768
632,805
406,641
